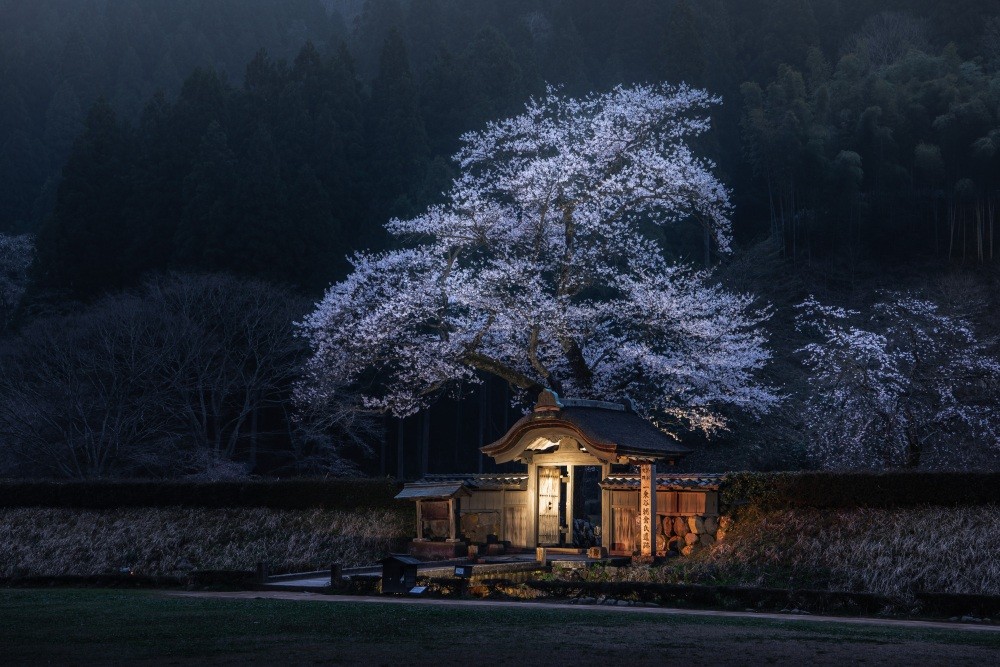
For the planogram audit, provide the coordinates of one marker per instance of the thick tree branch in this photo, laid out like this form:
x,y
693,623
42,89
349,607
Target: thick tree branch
x,y
483,363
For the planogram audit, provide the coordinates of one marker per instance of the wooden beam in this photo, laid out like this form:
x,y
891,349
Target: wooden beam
x,y
563,457
420,522
568,500
647,512
606,510
452,521
532,529
503,516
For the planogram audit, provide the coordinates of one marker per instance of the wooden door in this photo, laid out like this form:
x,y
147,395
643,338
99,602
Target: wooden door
x,y
549,497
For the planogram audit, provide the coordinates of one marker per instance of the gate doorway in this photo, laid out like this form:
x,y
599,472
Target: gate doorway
x,y
551,506
569,505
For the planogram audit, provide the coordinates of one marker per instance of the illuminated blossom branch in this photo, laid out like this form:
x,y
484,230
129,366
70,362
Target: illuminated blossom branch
x,y
537,269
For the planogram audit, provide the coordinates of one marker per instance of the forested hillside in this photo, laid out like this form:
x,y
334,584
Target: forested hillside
x,y
854,125
860,140
57,57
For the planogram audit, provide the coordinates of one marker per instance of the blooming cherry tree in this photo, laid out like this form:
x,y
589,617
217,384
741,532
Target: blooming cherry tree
x,y
906,384
540,268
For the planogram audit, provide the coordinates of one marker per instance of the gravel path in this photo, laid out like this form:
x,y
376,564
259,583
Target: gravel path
x,y
352,599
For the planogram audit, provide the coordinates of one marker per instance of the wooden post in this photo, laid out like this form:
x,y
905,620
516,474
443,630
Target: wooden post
x,y
568,504
647,512
532,528
606,510
452,528
420,521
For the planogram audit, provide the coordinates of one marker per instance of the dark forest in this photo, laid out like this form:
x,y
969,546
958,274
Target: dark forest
x,y
194,175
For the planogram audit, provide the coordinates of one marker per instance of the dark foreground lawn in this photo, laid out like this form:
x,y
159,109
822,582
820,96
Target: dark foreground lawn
x,y
97,626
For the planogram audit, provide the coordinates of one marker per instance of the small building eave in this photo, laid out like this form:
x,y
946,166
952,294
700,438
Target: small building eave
x,y
608,432
433,491
667,482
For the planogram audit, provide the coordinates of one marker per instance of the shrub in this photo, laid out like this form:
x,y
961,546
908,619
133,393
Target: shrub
x,y
772,491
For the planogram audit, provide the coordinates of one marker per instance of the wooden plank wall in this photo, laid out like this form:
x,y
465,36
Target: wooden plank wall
x,y
482,515
625,512
515,518
625,521
505,514
496,512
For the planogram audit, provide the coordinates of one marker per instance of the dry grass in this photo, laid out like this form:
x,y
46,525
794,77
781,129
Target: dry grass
x,y
168,541
885,551
891,552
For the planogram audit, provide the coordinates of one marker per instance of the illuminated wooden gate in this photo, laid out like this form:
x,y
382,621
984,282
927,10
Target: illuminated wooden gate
x,y
549,498
562,434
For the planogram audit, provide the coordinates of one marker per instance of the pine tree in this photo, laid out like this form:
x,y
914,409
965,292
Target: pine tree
x,y
82,248
209,199
378,19
397,138
683,56
496,82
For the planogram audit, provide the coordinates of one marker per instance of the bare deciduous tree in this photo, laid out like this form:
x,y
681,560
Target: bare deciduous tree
x,y
16,255
189,374
75,397
886,37
229,353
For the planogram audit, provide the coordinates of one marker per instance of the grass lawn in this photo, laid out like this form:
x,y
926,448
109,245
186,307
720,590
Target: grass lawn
x,y
99,626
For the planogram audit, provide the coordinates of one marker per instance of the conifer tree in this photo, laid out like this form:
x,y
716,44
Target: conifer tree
x,y
83,246
396,136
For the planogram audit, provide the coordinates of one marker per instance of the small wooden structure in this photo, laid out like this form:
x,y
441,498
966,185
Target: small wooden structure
x,y
536,508
438,506
399,573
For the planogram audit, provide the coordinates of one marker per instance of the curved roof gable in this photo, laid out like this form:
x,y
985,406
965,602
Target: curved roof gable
x,y
608,431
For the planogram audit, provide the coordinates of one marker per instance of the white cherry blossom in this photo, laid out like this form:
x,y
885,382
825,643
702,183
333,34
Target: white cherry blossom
x,y
539,268
905,386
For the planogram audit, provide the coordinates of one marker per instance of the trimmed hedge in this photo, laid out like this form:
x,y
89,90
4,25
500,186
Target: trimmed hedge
x,y
788,490
238,580
94,581
294,494
765,491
